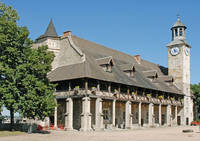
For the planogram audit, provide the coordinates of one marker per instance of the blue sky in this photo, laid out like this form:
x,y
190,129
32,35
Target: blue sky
x,y
134,27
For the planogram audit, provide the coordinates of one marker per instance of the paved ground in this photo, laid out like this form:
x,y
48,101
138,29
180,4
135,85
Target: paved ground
x,y
148,134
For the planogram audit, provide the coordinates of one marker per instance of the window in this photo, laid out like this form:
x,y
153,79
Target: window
x,y
181,32
176,32
109,68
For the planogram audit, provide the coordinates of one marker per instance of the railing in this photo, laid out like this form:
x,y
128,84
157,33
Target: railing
x,y
122,96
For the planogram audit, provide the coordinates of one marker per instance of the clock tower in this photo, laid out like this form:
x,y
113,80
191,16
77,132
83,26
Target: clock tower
x,y
179,67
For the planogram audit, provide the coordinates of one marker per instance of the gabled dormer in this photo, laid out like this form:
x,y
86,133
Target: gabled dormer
x,y
128,69
106,63
167,79
151,74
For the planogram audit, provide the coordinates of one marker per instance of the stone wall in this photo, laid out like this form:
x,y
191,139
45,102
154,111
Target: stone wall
x,y
18,127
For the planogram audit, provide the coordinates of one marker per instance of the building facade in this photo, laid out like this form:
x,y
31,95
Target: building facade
x,y
101,88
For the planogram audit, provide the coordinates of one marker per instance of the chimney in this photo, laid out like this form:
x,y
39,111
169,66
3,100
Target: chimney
x,y
67,33
138,59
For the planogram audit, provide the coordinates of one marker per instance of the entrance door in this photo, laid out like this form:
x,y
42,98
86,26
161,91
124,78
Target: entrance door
x,y
187,121
163,119
178,120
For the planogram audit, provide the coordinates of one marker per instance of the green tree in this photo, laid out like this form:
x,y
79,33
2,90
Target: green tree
x,y
196,91
24,87
37,101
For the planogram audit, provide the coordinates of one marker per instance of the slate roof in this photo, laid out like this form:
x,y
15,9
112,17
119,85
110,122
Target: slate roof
x,y
104,61
91,68
150,73
127,67
50,31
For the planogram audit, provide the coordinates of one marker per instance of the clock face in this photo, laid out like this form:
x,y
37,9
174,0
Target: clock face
x,y
187,51
174,51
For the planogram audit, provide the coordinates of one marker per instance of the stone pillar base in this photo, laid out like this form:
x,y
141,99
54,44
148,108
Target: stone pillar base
x,y
68,129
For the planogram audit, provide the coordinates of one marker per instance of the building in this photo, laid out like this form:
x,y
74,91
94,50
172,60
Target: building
x,y
99,87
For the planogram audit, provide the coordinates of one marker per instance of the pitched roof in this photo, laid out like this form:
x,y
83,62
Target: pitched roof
x,y
127,67
104,60
50,31
166,78
91,68
150,73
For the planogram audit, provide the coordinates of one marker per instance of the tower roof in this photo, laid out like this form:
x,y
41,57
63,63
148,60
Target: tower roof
x,y
50,31
178,24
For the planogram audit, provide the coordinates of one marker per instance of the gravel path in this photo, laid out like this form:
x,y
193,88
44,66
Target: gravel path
x,y
147,134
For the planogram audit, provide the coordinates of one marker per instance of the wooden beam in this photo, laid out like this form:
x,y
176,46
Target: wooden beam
x,y
86,86
128,92
119,91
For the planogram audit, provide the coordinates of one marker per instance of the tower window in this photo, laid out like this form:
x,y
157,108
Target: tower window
x,y
176,32
181,32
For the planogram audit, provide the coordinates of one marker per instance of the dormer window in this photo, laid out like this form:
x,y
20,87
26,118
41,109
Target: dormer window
x,y
151,74
128,69
106,63
167,79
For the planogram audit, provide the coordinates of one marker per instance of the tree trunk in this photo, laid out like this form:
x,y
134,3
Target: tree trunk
x,y
11,119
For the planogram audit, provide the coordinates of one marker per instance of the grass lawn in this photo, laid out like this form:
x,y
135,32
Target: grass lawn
x,y
9,133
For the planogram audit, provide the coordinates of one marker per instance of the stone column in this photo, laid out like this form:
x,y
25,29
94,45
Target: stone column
x,y
69,114
160,114
175,119
153,115
139,113
174,34
150,114
178,31
86,115
169,119
113,112
98,87
183,116
98,115
128,118
55,115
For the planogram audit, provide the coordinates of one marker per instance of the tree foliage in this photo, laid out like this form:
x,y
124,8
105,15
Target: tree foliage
x,y
24,86
196,91
37,100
